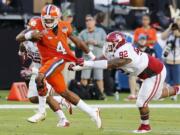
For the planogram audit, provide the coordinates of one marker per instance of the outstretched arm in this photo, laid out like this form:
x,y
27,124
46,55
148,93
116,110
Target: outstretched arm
x,y
114,63
104,64
118,62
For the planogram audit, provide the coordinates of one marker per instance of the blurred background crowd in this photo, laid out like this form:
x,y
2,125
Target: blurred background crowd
x,y
151,25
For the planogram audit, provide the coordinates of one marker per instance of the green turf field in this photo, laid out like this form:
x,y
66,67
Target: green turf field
x,y
118,121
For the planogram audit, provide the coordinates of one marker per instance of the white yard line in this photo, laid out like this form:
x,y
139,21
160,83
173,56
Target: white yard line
x,y
13,106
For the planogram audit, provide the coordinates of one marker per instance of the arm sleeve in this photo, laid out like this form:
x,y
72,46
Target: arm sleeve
x,y
70,29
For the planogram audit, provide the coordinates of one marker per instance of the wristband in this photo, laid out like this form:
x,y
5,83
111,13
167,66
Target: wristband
x,y
28,35
91,55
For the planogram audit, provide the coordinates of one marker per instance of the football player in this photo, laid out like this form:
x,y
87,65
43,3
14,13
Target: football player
x,y
51,34
124,56
29,50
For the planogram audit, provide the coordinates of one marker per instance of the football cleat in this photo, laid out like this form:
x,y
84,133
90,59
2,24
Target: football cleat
x,y
143,129
37,117
63,123
97,118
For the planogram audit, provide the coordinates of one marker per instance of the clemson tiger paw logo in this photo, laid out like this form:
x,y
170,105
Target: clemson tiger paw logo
x,y
65,29
33,23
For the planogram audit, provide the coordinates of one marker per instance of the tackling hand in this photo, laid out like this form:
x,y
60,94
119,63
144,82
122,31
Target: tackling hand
x,y
80,61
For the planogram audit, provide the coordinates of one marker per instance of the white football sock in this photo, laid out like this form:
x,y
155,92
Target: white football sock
x,y
145,122
84,107
59,99
60,114
42,104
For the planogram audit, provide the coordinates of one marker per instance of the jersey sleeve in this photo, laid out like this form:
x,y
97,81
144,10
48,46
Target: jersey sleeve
x,y
33,23
70,29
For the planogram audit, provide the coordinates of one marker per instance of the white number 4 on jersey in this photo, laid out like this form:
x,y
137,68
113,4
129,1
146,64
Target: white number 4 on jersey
x,y
60,48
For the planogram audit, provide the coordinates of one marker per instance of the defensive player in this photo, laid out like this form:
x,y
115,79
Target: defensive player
x,y
29,50
51,34
123,56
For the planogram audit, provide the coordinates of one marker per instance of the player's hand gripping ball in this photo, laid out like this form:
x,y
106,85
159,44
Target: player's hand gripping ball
x,y
36,35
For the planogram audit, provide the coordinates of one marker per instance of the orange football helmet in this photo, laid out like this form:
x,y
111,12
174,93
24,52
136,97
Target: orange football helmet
x,y
50,16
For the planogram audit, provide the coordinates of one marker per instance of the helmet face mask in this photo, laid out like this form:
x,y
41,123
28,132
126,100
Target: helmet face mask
x,y
112,46
108,49
49,21
50,16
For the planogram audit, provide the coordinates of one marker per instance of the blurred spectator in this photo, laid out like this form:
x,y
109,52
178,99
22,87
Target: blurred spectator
x,y
5,6
168,31
95,39
100,17
171,56
141,44
147,30
68,16
133,88
10,6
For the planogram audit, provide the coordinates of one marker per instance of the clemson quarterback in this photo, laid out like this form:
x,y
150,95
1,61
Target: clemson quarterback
x,y
51,34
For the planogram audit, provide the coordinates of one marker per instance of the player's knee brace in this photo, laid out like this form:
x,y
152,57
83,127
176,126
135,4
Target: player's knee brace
x,y
41,85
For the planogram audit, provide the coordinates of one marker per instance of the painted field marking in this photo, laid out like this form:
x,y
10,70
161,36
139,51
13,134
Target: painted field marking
x,y
14,106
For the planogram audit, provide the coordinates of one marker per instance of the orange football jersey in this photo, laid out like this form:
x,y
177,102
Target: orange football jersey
x,y
52,45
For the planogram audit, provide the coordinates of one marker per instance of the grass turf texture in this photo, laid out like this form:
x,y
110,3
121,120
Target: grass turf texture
x,y
115,121
110,100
